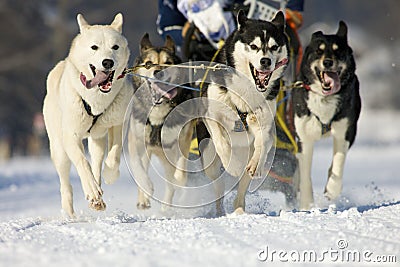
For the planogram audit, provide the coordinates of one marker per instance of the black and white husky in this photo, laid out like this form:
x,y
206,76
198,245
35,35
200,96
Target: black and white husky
x,y
328,105
259,51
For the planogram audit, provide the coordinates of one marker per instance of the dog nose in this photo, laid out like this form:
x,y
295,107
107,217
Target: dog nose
x,y
327,63
265,62
107,63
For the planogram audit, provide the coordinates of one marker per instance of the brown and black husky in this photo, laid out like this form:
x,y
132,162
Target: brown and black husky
x,y
150,132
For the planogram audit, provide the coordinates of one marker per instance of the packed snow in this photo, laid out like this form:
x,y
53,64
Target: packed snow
x,y
362,226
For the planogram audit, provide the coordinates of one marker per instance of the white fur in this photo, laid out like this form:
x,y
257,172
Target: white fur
x,y
67,121
324,107
271,42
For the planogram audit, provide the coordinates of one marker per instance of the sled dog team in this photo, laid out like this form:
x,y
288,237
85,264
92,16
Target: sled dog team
x,y
88,94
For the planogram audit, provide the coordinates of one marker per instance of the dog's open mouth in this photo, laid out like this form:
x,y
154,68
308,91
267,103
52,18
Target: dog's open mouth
x,y
261,77
330,81
103,79
161,91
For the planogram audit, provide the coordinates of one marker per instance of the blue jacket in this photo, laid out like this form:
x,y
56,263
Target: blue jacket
x,y
170,20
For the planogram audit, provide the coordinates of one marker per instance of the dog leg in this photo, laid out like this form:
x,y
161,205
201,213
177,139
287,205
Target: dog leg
x,y
140,160
224,149
96,151
305,162
92,190
334,184
183,151
170,185
111,164
255,167
240,202
63,165
143,201
212,168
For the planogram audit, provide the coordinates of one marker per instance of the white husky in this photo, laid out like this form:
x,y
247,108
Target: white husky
x,y
87,95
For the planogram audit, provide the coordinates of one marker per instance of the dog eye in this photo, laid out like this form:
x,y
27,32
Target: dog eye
x,y
320,51
253,47
168,62
274,48
115,47
148,64
94,47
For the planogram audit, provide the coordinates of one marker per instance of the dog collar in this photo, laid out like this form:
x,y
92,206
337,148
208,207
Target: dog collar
x,y
301,84
307,87
122,75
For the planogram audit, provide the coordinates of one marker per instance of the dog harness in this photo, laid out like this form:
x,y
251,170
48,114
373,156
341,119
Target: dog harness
x,y
155,136
89,112
241,124
88,108
325,127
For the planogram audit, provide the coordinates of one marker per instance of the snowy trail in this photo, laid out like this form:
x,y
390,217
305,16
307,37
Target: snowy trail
x,y
366,219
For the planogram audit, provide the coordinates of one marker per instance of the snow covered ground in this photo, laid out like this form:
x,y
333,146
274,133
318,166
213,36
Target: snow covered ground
x,y
364,228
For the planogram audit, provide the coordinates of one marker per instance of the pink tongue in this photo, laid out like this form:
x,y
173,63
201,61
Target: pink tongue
x,y
165,90
331,79
99,78
262,75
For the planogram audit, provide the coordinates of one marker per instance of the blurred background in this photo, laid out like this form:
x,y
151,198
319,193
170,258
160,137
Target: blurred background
x,y
36,34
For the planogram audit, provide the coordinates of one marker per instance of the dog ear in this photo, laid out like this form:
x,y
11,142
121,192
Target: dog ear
x,y
241,18
117,22
169,44
342,31
145,42
316,35
81,22
279,20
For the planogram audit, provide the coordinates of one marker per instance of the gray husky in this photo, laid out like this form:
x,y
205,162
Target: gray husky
x,y
150,132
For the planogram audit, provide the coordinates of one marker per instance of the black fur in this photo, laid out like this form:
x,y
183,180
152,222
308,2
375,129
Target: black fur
x,y
349,104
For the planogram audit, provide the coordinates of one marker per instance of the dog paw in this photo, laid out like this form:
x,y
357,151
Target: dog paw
x,y
333,188
92,190
237,212
306,205
251,168
166,209
110,174
97,204
143,205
